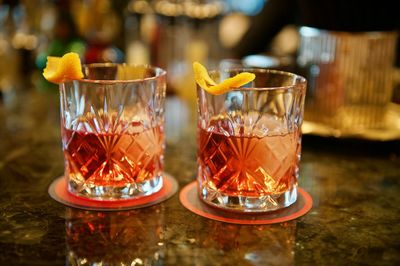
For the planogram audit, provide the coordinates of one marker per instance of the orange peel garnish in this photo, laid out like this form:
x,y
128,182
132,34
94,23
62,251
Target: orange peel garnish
x,y
208,84
60,69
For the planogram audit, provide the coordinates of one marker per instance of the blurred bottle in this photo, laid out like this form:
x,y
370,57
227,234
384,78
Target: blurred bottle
x,y
59,35
172,34
98,22
10,14
141,32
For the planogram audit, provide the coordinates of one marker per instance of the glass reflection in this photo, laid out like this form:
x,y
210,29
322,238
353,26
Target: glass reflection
x,y
132,237
249,245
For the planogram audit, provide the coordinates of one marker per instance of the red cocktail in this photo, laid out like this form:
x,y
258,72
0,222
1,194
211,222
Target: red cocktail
x,y
112,131
113,159
249,142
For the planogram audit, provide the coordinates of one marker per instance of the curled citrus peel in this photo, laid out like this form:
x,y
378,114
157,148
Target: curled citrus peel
x,y
205,81
60,69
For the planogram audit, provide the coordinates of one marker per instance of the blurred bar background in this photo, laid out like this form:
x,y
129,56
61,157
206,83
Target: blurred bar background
x,y
167,33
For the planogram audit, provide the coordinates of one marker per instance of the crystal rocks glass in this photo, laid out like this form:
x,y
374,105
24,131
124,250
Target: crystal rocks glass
x,y
112,127
351,78
249,141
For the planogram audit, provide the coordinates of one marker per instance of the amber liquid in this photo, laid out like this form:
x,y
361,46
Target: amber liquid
x,y
248,165
113,159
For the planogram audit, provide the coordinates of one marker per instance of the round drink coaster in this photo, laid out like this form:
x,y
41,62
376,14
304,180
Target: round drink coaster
x,y
59,192
190,200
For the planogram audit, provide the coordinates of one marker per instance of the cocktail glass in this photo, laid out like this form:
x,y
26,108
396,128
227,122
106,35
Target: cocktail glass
x,y
249,141
351,77
112,127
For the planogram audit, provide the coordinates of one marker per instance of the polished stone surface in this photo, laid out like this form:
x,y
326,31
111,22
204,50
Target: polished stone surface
x,y
355,218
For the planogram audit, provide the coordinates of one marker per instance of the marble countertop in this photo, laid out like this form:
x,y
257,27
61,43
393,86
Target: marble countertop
x,y
355,218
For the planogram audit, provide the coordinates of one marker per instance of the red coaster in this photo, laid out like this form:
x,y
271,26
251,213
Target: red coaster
x,y
190,199
58,191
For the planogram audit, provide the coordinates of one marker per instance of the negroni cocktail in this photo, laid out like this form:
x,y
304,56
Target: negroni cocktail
x,y
240,164
114,159
112,131
249,139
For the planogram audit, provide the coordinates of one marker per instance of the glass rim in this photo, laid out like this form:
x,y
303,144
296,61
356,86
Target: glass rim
x,y
160,72
300,82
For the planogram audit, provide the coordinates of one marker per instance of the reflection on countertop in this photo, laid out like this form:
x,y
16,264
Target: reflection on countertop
x,y
115,238
354,184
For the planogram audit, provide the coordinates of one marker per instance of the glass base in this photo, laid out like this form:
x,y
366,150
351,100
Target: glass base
x,y
129,191
248,204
